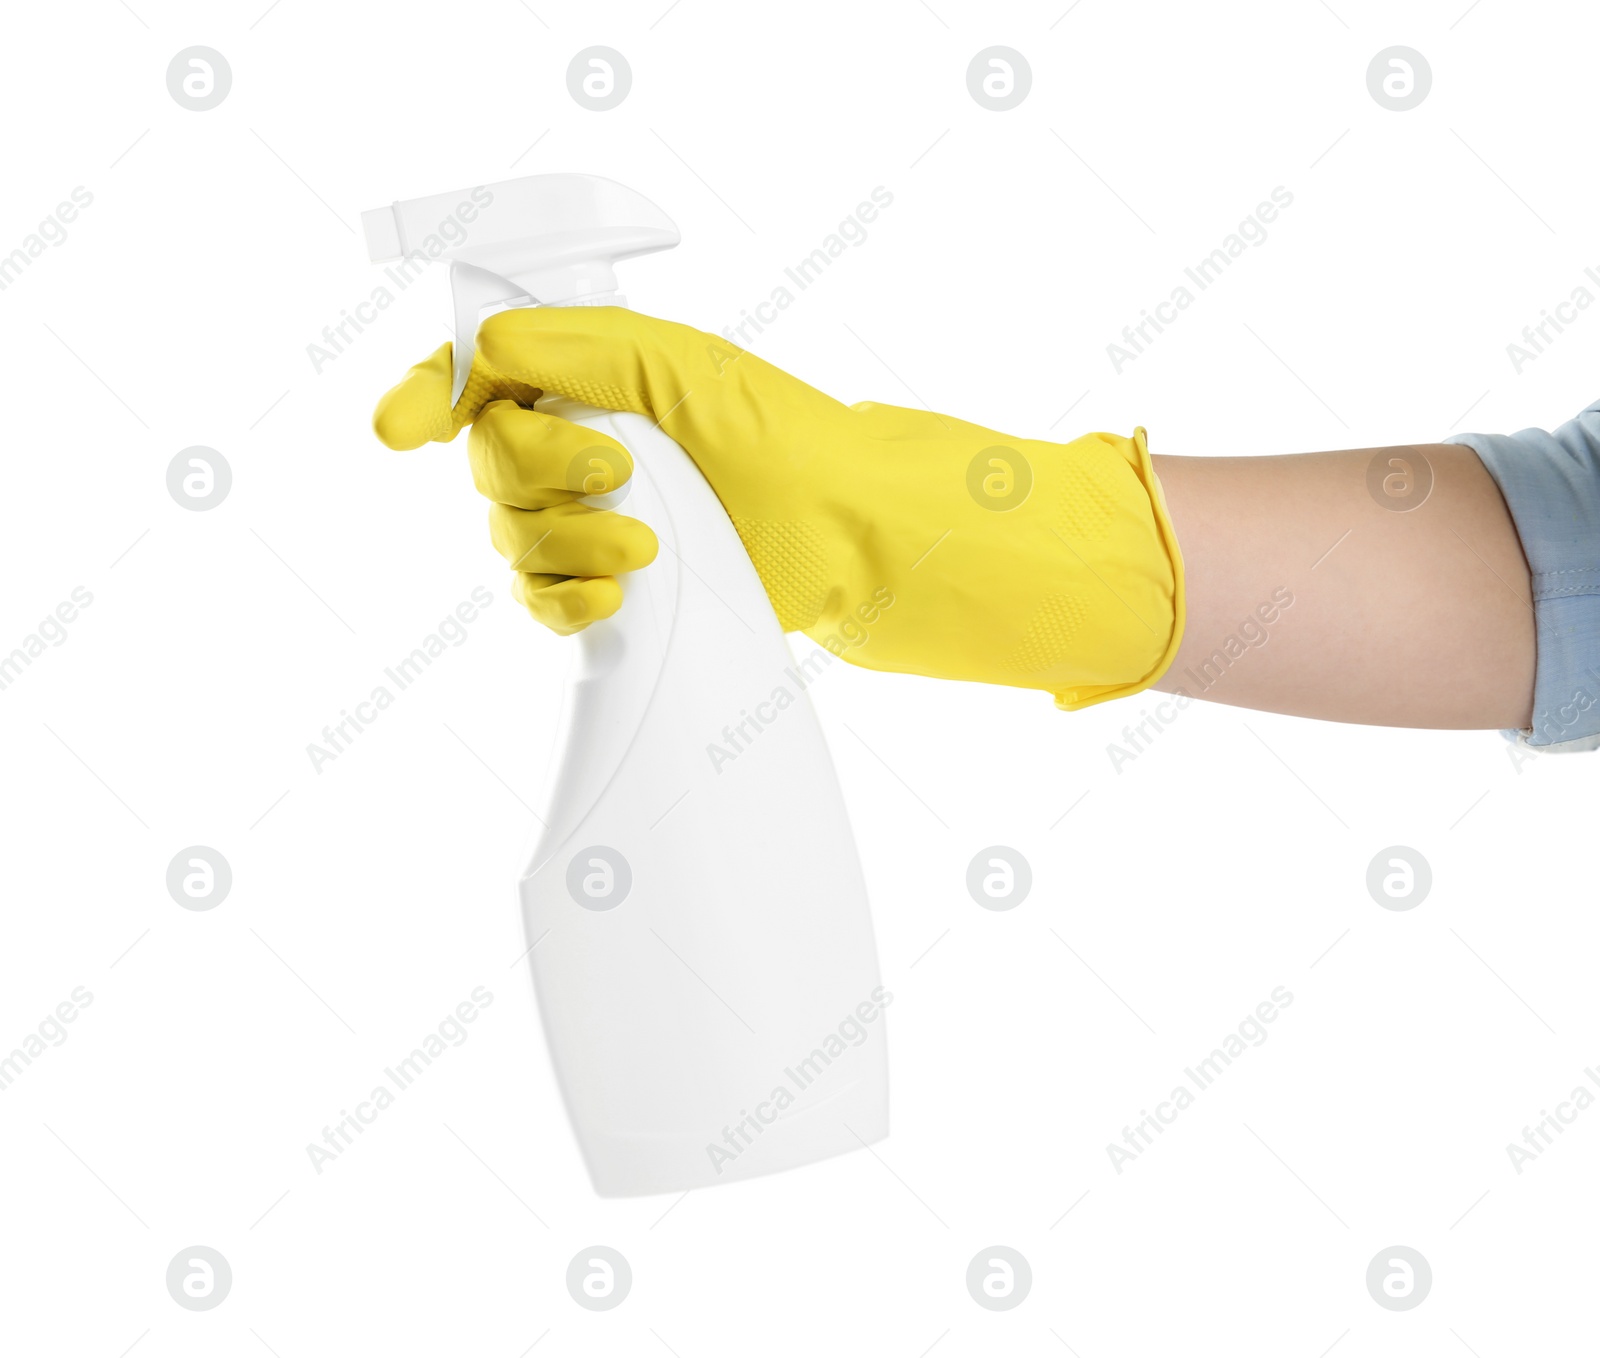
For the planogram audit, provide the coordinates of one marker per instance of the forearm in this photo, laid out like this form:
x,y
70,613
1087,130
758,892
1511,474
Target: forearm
x,y
1421,617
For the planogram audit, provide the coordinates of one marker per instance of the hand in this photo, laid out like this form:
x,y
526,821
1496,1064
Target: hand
x,y
900,539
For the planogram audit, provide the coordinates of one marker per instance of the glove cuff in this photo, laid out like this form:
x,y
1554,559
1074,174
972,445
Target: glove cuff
x,y
1080,696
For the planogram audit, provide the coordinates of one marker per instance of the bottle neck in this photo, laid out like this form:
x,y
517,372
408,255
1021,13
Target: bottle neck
x,y
612,298
585,283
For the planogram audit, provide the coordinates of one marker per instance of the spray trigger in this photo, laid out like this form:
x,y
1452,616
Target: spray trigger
x,y
472,290
546,240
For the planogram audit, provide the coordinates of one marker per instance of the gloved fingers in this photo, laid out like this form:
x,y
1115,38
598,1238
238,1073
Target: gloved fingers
x,y
566,605
570,539
704,391
532,460
417,410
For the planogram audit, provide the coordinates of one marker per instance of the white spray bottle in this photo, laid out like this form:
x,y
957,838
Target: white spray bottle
x,y
695,908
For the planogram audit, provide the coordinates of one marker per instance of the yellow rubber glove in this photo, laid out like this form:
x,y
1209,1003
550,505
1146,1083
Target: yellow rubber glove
x,y
900,539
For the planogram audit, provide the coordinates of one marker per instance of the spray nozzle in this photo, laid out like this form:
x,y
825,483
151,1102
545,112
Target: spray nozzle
x,y
543,240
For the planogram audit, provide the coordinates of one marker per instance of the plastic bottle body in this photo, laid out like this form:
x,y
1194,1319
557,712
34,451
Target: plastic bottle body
x,y
701,945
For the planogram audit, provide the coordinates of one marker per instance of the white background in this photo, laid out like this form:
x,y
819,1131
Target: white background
x,y
369,899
